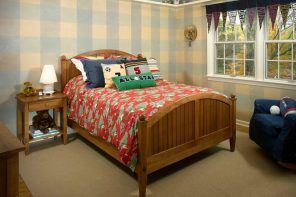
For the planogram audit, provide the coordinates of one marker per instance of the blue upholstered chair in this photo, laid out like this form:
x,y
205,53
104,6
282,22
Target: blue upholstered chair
x,y
274,133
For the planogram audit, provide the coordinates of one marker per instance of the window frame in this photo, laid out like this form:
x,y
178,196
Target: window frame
x,y
260,71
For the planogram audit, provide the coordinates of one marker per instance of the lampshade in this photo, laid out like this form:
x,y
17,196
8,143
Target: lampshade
x,y
48,75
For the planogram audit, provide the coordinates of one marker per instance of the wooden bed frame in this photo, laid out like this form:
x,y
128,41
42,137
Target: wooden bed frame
x,y
177,131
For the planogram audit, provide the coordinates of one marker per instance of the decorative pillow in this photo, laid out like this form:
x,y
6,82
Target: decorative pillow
x,y
94,72
136,67
79,65
134,81
112,70
287,106
152,63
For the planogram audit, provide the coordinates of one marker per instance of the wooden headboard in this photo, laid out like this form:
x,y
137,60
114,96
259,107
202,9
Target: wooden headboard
x,y
68,69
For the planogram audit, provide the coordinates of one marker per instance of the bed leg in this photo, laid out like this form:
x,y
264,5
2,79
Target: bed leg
x,y
142,181
142,140
232,141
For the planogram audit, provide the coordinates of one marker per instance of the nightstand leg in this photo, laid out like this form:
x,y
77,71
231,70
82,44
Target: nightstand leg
x,y
19,124
55,116
64,122
26,130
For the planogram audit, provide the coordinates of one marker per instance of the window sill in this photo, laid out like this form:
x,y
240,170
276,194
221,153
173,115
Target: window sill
x,y
253,82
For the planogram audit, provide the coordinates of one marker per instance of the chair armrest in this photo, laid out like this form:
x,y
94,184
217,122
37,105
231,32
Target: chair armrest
x,y
285,148
263,105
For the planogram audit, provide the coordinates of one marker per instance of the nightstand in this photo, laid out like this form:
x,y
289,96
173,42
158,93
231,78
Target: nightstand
x,y
56,101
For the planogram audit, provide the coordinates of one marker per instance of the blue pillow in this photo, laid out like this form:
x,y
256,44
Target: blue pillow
x,y
287,106
94,72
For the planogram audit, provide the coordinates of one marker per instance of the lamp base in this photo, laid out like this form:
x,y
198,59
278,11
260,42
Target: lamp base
x,y
48,88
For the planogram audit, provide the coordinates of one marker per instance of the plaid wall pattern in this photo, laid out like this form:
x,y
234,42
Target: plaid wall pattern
x,y
37,32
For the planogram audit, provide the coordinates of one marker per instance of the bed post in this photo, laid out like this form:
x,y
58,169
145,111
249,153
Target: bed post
x,y
232,139
142,155
64,72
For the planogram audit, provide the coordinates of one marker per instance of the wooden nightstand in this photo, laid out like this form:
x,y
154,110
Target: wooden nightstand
x,y
56,101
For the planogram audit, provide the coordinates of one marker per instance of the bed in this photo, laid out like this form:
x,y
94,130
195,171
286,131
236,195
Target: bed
x,y
177,130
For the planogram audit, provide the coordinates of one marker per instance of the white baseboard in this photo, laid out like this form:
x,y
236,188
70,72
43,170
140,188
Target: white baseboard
x,y
242,125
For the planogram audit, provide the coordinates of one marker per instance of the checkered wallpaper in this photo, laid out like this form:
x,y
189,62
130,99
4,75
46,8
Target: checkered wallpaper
x,y
38,32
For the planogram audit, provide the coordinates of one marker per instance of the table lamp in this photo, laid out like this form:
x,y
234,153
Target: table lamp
x,y
48,78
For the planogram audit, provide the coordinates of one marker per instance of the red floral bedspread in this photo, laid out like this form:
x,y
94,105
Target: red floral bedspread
x,y
112,115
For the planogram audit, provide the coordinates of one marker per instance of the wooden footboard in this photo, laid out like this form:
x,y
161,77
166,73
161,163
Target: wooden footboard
x,y
182,129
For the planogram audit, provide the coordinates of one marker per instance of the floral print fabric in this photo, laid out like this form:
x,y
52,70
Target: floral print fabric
x,y
112,115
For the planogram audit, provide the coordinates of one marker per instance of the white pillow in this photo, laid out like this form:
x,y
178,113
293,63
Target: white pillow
x,y
78,64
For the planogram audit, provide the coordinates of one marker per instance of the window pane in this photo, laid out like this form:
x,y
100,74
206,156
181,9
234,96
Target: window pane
x,y
272,51
239,51
229,50
239,68
229,67
240,34
250,51
294,32
285,70
286,31
221,32
229,32
294,51
220,50
285,51
273,33
272,70
294,71
250,68
220,66
251,32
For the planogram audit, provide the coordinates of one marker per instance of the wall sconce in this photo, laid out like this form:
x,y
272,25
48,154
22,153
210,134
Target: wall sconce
x,y
190,33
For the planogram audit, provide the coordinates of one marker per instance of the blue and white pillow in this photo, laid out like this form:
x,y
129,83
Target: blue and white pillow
x,y
287,106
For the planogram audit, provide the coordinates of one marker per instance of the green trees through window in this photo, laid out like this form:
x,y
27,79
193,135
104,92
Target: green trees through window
x,y
281,49
235,49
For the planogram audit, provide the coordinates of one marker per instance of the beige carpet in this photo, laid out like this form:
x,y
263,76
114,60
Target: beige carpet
x,y
79,169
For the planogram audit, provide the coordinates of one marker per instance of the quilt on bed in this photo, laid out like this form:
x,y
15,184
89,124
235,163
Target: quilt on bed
x,y
112,115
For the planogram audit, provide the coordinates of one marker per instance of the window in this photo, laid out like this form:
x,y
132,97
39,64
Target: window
x,y
235,48
253,55
281,49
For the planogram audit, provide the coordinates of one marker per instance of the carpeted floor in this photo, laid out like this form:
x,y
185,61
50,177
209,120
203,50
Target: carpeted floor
x,y
23,189
79,169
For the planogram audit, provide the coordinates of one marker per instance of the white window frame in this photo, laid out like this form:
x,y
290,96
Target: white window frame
x,y
260,63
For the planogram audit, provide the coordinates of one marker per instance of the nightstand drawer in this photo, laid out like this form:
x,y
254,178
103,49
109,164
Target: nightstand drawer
x,y
42,105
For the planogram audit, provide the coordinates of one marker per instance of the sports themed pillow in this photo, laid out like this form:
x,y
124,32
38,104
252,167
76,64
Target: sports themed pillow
x,y
136,67
154,69
287,106
134,81
112,70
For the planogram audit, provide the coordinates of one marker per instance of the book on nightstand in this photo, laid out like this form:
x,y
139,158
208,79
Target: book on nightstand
x,y
39,134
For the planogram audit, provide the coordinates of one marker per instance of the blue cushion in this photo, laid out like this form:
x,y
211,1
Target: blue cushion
x,y
269,124
287,106
94,71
